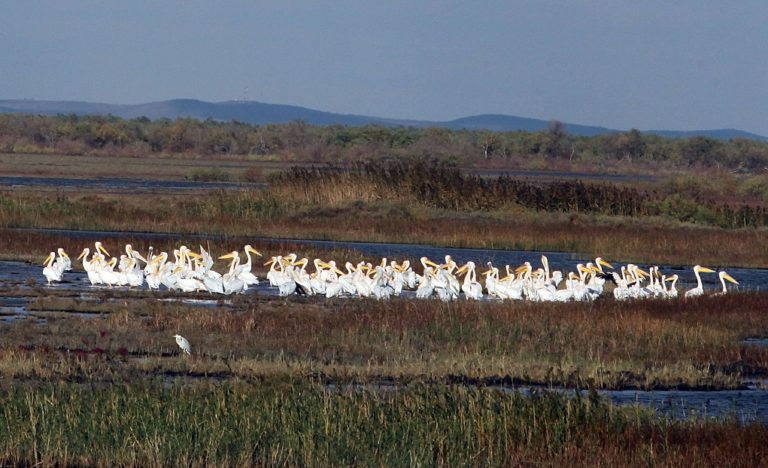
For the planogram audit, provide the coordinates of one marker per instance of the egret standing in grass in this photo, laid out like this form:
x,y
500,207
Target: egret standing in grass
x,y
183,344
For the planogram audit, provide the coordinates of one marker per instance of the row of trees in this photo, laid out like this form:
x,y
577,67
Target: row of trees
x,y
299,141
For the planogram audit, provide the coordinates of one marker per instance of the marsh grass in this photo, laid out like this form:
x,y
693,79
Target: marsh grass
x,y
439,185
649,345
295,423
237,214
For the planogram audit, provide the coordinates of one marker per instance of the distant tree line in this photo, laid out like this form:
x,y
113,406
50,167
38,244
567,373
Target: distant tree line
x,y
297,141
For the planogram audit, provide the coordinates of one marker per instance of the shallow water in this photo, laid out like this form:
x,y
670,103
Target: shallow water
x,y
749,405
114,184
755,341
746,405
117,184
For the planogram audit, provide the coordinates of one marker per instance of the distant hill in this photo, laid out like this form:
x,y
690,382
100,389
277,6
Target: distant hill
x,y
261,114
504,123
719,134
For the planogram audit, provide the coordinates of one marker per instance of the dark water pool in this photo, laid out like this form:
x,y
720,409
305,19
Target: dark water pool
x,y
115,184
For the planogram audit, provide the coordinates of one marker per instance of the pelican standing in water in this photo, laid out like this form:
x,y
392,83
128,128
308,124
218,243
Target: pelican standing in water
x,y
90,266
245,274
671,292
723,278
52,271
471,287
64,259
231,280
699,289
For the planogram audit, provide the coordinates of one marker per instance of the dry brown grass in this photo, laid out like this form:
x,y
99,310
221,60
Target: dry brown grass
x,y
260,214
607,344
148,167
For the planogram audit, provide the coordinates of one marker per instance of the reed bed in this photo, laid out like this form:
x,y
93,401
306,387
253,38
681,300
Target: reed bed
x,y
421,202
649,344
302,424
439,185
240,215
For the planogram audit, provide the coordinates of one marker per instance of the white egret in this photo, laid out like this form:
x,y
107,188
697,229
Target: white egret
x,y
183,344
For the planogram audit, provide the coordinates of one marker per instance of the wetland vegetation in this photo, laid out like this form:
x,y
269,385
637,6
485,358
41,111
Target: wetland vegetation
x,y
295,423
97,379
611,345
423,202
276,381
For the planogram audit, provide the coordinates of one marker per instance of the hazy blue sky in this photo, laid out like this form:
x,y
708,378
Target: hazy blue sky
x,y
680,65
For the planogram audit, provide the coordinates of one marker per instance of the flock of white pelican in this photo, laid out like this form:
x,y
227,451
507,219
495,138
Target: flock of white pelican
x,y
190,271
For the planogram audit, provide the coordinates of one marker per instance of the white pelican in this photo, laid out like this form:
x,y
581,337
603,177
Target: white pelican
x,y
444,288
64,259
133,254
152,271
302,277
134,273
274,276
231,279
166,269
579,284
699,289
723,277
600,263
52,271
492,280
471,287
100,248
597,281
565,295
89,267
361,282
245,274
671,291
345,280
452,283
513,286
620,292
109,276
409,274
380,288
635,291
212,280
426,285
188,284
